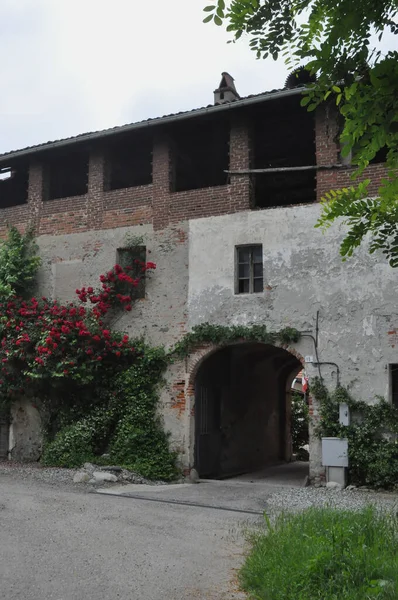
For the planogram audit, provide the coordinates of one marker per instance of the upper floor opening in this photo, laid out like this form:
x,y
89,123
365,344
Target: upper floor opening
x,y
199,152
14,181
128,162
283,154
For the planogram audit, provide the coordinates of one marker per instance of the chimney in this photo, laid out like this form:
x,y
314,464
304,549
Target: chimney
x,y
226,92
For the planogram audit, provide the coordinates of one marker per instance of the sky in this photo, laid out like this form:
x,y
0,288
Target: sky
x,y
71,66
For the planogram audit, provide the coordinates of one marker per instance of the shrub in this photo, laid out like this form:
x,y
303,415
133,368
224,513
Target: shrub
x,y
140,442
126,424
300,418
78,443
372,435
326,554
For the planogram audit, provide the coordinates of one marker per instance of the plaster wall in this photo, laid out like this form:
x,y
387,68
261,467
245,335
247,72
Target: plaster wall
x,y
74,260
303,274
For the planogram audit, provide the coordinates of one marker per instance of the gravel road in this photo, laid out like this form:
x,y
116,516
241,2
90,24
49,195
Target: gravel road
x,y
58,543
172,542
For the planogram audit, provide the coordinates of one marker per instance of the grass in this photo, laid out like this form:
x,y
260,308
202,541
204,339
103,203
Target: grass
x,y
326,554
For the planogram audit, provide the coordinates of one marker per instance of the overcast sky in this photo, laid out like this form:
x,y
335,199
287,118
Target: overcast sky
x,y
70,66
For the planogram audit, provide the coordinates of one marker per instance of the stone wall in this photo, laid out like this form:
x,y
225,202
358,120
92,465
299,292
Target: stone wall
x,y
25,442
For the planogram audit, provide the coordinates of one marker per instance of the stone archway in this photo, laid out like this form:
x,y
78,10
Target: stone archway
x,y
241,407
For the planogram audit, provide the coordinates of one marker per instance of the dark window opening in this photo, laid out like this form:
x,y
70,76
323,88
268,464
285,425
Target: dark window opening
x,y
66,175
249,279
283,136
14,183
129,163
132,261
380,156
200,154
394,384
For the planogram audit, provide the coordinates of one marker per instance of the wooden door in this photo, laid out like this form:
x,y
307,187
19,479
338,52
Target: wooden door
x,y
208,430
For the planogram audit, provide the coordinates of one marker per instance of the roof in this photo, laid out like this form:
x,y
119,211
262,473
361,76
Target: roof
x,y
197,112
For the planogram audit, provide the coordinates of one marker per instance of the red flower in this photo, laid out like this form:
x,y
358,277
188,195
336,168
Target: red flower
x,y
99,357
39,360
118,353
90,290
65,329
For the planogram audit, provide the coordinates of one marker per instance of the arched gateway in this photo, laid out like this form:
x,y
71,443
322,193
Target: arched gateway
x,y
242,408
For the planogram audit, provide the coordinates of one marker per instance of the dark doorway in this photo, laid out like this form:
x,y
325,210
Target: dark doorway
x,y
242,409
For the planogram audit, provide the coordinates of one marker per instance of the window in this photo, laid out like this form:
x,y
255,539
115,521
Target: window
x,y
249,269
394,384
128,163
283,136
13,185
66,175
132,260
200,154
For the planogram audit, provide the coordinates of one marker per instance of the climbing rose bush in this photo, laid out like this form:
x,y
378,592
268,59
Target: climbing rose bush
x,y
43,339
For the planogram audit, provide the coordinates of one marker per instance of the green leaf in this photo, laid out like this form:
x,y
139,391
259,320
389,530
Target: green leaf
x,y
209,8
208,18
305,101
217,20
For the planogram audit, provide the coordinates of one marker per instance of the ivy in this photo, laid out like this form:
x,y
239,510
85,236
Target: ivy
x,y
125,424
372,435
18,264
224,335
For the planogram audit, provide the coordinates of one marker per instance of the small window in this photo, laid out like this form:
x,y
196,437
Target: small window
x,y
132,260
394,384
249,269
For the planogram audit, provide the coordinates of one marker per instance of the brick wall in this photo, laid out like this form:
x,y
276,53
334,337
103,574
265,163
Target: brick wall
x,y
155,204
327,153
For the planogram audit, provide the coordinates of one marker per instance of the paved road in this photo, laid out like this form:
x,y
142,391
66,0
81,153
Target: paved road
x,y
58,544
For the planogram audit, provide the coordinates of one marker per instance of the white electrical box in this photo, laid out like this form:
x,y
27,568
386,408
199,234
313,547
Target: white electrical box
x,y
334,452
309,359
344,414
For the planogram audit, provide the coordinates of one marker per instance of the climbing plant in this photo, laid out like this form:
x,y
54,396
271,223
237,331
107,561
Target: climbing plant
x,y
18,264
96,388
372,435
223,335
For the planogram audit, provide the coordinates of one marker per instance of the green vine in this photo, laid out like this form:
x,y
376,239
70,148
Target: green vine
x,y
372,435
18,264
223,335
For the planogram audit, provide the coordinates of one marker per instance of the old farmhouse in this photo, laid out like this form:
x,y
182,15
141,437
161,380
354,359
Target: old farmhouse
x,y
224,199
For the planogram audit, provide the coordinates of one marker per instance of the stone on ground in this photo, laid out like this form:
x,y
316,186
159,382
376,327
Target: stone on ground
x,y
81,477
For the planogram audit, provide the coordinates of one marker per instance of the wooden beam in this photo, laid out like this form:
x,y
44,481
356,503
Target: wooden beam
x,y
284,169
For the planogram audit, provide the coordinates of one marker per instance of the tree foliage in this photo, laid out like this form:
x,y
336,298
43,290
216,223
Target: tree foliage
x,y
339,42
